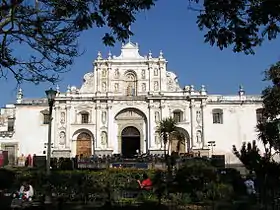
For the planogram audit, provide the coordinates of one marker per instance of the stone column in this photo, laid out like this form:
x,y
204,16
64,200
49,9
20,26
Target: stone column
x,y
204,144
149,137
192,120
68,123
97,123
111,136
56,123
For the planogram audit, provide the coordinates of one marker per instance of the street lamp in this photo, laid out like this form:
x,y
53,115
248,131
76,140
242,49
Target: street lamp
x,y
212,144
51,96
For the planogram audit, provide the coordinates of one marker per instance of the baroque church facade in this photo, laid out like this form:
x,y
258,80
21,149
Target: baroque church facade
x,y
117,110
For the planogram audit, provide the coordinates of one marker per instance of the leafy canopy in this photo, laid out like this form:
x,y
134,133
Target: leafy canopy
x,y
47,32
243,24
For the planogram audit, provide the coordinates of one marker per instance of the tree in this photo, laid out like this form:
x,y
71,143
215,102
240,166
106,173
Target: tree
x,y
243,24
166,128
48,31
267,170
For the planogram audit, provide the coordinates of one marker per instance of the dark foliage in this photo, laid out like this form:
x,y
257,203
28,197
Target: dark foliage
x,y
243,24
48,30
263,168
6,179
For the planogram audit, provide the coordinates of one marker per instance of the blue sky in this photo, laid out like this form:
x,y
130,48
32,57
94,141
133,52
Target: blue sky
x,y
172,28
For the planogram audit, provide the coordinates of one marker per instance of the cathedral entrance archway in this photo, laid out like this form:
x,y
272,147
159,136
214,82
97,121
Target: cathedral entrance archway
x,y
130,141
180,141
83,145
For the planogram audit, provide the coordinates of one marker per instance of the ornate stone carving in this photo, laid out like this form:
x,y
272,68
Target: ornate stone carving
x,y
143,87
62,139
62,117
198,116
129,115
143,74
117,74
88,85
156,86
104,117
157,117
157,139
156,72
104,139
172,82
199,138
104,72
116,87
104,86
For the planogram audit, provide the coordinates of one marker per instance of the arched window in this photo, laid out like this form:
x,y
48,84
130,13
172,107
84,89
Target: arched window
x,y
131,84
260,115
84,117
217,116
178,115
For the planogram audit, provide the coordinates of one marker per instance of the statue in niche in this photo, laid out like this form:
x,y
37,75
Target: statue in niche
x,y
157,117
104,86
130,84
198,137
103,138
62,117
143,74
198,116
116,87
156,86
117,73
155,72
129,90
143,87
157,139
62,138
103,72
103,117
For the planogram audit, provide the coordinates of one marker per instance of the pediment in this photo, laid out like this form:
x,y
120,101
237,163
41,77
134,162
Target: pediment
x,y
129,115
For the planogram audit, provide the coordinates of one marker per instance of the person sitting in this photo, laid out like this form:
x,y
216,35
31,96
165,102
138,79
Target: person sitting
x,y
146,184
26,192
250,186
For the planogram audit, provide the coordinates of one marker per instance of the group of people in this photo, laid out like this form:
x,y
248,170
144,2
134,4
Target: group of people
x,y
25,193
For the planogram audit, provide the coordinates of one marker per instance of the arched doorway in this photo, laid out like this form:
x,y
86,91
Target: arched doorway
x,y
83,146
130,141
180,141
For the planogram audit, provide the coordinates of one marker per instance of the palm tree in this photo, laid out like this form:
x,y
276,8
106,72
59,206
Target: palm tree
x,y
169,132
180,138
166,128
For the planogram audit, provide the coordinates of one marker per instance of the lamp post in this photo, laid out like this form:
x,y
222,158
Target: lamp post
x,y
51,96
212,144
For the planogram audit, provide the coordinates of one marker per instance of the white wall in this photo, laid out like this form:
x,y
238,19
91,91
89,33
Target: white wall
x,y
239,125
30,130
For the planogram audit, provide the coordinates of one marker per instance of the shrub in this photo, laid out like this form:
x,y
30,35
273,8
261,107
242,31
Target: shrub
x,y
199,179
7,179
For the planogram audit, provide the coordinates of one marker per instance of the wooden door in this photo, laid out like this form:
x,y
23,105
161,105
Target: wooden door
x,y
84,144
11,154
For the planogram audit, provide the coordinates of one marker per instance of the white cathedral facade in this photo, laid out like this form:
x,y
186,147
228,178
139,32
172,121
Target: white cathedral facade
x,y
117,110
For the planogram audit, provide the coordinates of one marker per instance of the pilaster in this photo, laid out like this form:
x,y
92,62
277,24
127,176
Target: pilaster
x,y
68,123
203,104
192,120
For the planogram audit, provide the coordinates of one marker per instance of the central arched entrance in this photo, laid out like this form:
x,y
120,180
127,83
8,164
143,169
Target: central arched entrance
x,y
83,146
130,141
